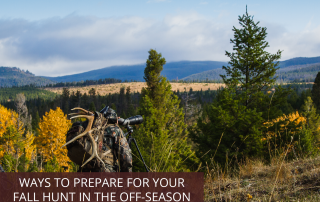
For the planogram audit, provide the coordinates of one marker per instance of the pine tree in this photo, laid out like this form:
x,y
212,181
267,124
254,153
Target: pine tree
x,y
102,106
130,109
93,98
113,106
122,104
227,128
313,119
251,67
78,95
162,137
238,112
65,99
316,92
92,107
35,121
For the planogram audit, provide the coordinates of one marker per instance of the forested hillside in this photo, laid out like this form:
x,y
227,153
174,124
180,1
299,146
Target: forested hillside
x,y
301,73
13,76
30,92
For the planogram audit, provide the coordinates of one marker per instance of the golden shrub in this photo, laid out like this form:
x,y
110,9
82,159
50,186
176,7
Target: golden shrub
x,y
290,124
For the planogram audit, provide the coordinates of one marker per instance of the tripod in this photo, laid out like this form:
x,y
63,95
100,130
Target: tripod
x,y
129,139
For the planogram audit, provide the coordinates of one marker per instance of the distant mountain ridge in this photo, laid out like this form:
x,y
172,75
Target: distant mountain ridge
x,y
13,76
172,70
299,61
301,68
186,70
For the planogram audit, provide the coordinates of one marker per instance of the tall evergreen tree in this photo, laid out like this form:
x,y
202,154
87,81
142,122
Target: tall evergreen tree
x,y
233,124
65,100
130,109
316,92
162,136
251,67
313,119
92,107
35,121
78,95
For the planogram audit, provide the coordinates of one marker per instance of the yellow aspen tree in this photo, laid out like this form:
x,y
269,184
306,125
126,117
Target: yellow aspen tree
x,y
30,147
8,118
53,128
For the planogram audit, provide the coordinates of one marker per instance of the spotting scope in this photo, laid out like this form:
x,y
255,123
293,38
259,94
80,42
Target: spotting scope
x,y
111,115
133,120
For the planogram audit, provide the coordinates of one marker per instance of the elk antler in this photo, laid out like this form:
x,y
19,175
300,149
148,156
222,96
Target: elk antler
x,y
90,116
82,112
94,151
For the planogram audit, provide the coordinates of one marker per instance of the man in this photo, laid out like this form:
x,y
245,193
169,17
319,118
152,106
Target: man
x,y
112,148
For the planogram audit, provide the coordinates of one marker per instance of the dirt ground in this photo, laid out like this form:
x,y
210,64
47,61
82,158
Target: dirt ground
x,y
136,87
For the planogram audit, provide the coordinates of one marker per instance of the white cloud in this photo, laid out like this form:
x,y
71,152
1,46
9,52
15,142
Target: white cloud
x,y
305,43
73,44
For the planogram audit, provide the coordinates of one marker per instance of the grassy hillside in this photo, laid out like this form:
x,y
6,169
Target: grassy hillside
x,y
255,180
16,77
105,89
171,70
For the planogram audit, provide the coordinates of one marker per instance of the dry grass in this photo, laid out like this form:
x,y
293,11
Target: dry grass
x,y
136,87
298,180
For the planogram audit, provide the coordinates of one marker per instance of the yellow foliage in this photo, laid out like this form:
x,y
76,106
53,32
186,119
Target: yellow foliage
x,y
29,146
53,128
8,118
286,123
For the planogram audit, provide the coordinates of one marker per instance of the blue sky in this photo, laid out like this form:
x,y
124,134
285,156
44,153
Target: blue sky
x,y
54,37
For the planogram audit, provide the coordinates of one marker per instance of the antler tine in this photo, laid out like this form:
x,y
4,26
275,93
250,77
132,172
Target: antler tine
x,y
83,110
94,151
90,118
80,113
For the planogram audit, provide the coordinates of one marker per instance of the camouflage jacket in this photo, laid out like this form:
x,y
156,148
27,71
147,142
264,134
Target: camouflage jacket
x,y
112,147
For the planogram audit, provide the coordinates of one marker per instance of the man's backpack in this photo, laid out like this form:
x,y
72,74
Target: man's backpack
x,y
112,147
79,150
